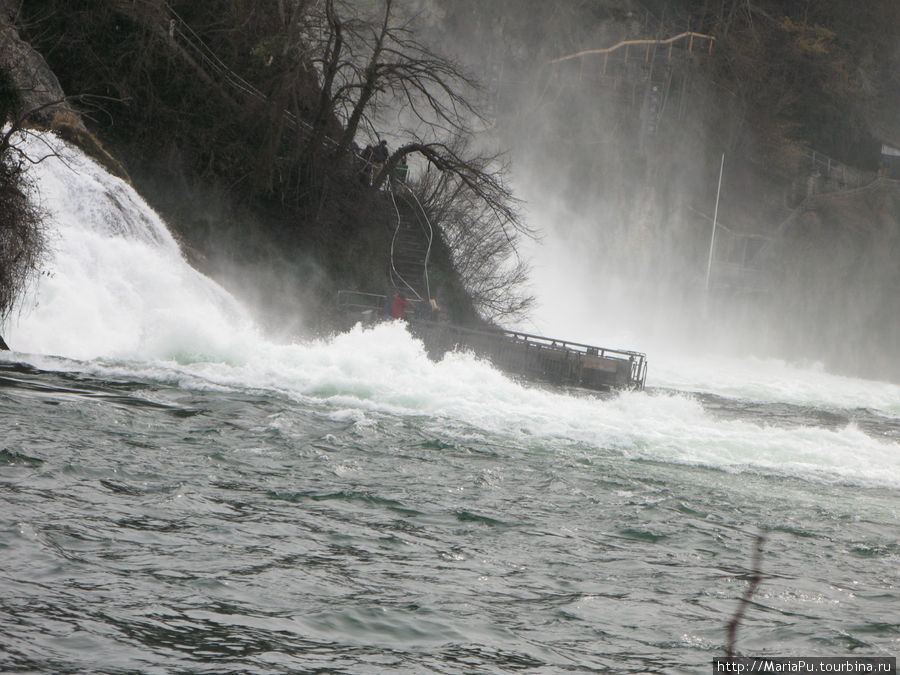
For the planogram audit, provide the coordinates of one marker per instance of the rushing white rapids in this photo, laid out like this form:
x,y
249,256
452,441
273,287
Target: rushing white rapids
x,y
120,300
117,285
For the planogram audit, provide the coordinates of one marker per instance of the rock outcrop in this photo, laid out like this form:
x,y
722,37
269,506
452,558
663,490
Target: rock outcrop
x,y
42,96
44,103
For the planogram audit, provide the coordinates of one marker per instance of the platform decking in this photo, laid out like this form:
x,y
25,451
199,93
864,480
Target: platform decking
x,y
532,357
538,358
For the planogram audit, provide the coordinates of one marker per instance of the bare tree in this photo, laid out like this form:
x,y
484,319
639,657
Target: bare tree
x,y
22,236
482,177
370,65
480,225
22,240
383,65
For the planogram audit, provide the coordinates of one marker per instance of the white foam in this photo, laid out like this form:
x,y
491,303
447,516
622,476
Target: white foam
x,y
122,302
771,380
117,285
383,370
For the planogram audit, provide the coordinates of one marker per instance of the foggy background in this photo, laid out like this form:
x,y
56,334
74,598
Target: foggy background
x,y
618,164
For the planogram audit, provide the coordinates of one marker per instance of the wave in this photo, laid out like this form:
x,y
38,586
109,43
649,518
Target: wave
x,y
369,374
119,300
117,285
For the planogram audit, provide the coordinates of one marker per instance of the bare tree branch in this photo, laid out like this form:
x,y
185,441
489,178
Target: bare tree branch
x,y
479,223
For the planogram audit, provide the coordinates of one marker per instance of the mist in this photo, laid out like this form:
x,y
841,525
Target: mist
x,y
618,162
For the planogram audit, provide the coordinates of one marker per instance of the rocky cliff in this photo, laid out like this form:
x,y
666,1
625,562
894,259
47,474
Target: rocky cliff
x,y
44,104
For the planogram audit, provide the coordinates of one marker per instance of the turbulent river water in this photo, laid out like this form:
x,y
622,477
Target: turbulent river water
x,y
179,493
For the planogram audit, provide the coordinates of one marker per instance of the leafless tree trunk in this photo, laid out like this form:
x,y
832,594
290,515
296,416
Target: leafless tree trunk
x,y
480,226
366,86
23,240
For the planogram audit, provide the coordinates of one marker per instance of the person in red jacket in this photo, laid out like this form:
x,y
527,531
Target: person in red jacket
x,y
399,306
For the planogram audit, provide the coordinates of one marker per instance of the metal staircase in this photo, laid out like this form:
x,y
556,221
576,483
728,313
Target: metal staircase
x,y
413,234
410,244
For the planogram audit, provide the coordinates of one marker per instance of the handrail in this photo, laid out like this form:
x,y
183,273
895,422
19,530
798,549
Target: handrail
x,y
551,343
637,360
394,271
345,300
429,234
361,300
362,304
564,344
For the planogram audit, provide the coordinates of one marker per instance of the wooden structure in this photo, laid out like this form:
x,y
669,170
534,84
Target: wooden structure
x,y
538,358
533,357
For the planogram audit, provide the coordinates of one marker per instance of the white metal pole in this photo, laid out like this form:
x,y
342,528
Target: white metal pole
x,y
712,239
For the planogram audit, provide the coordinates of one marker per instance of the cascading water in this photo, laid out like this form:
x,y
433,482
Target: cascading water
x,y
119,289
182,493
117,285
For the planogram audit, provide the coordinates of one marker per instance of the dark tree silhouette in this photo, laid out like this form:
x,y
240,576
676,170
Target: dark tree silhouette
x,y
370,66
22,238
479,222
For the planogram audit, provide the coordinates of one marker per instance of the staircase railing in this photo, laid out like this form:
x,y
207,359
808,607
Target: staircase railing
x,y
396,276
429,234
180,31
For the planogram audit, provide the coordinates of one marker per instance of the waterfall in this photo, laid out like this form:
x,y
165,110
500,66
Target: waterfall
x,y
116,284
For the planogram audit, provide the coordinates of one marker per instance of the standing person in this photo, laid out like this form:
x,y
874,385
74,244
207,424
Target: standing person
x,y
399,306
365,174
379,157
401,170
380,153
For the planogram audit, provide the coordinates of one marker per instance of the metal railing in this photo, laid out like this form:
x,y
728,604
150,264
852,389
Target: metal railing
x,y
534,357
360,301
360,305
429,235
830,175
396,276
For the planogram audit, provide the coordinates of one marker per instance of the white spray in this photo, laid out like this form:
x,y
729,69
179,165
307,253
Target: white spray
x,y
117,285
121,301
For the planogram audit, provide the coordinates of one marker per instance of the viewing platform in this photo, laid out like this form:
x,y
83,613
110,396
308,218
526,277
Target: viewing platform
x,y
533,357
